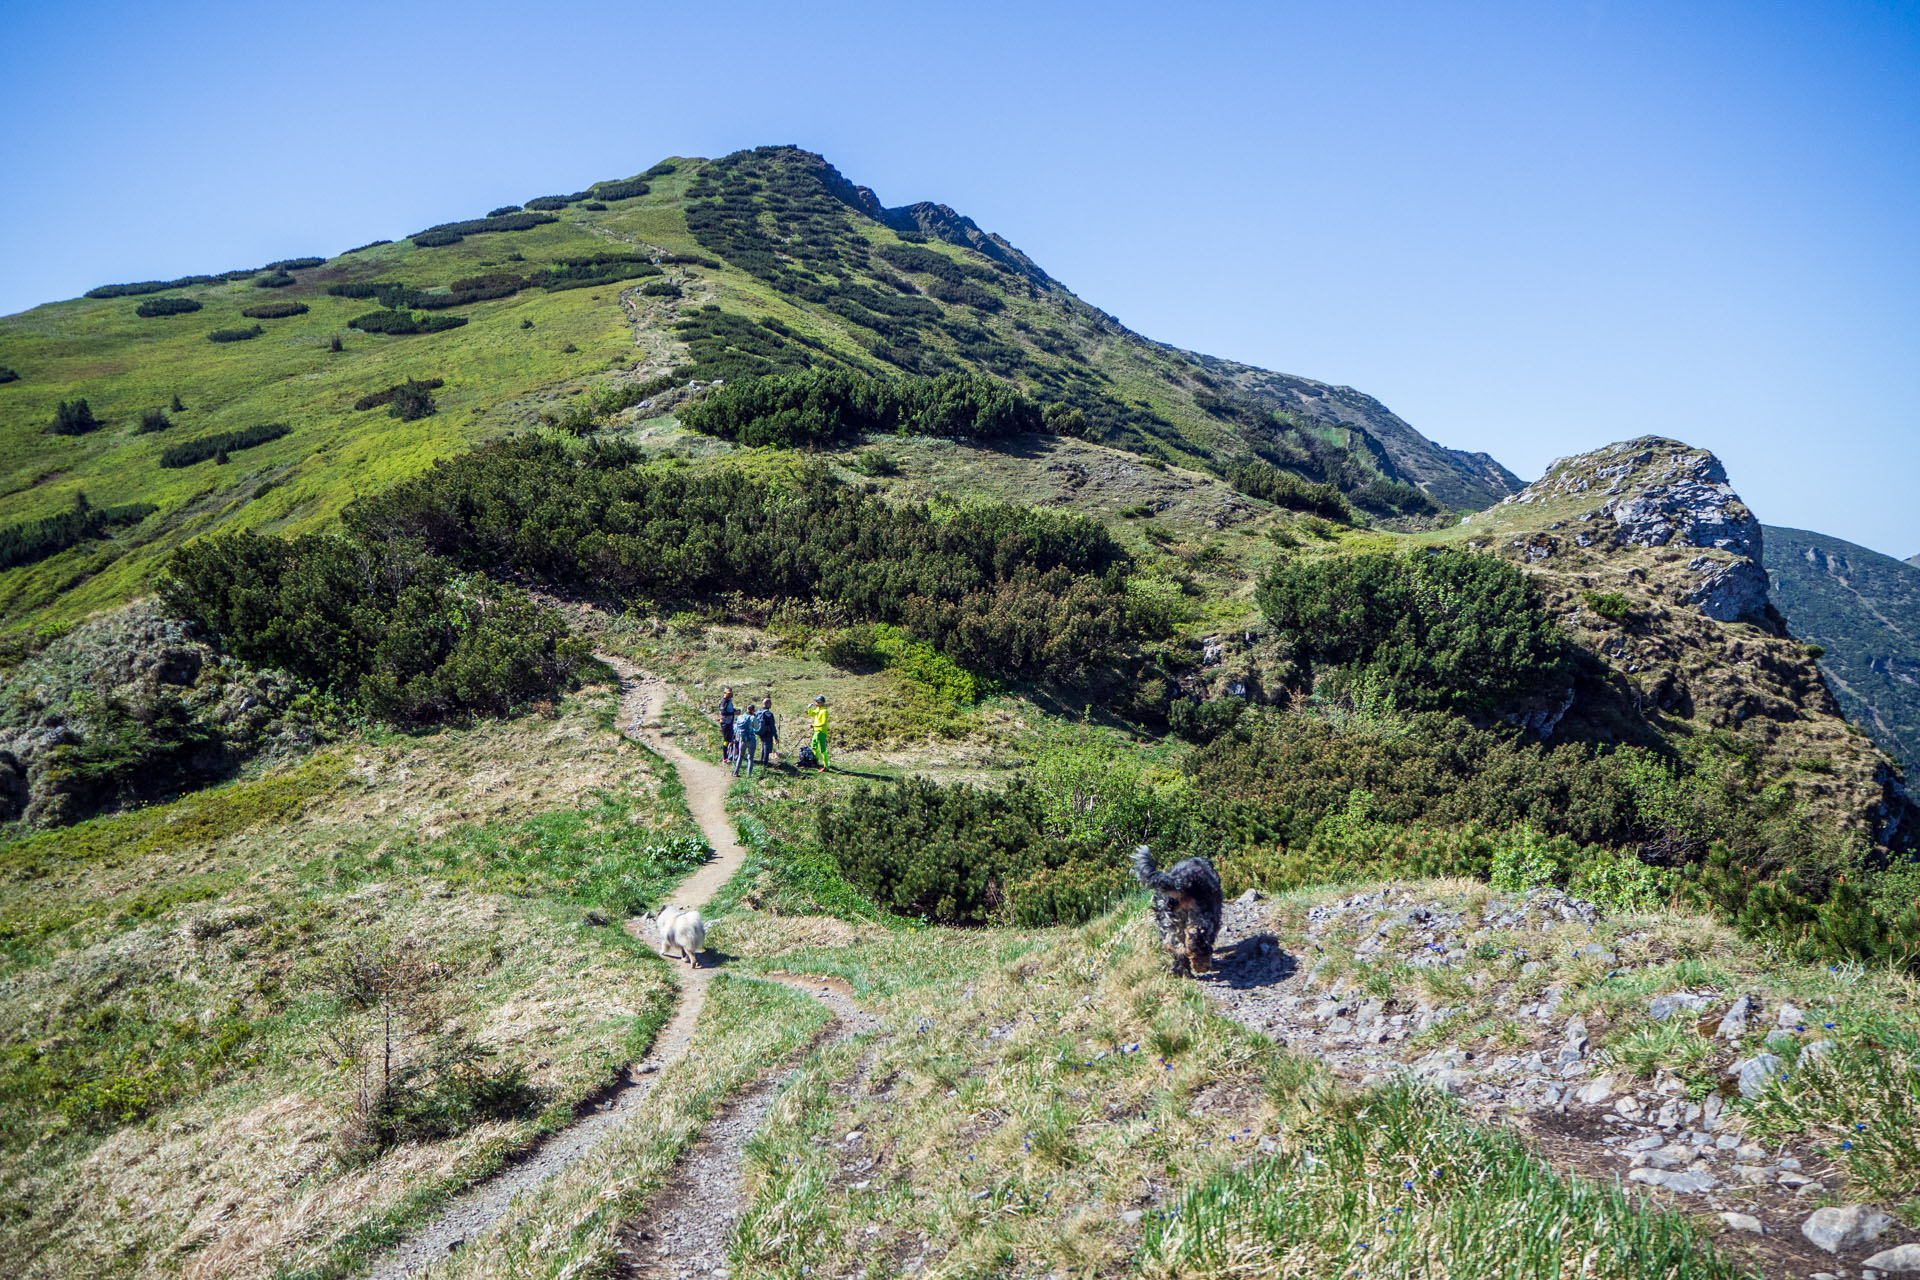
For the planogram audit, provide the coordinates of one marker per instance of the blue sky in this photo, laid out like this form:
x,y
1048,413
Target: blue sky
x,y
1531,229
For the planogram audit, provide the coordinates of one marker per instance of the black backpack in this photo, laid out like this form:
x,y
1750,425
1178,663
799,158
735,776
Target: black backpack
x,y
805,759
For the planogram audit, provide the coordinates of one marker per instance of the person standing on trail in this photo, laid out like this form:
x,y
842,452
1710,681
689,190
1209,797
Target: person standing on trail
x,y
727,714
744,732
817,712
769,730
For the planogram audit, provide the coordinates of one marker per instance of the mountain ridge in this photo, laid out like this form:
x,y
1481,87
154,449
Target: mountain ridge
x,y
804,266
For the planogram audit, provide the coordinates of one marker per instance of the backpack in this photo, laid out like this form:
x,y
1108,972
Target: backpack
x,y
805,758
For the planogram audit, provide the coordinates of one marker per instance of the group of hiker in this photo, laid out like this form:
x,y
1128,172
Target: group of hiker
x,y
753,729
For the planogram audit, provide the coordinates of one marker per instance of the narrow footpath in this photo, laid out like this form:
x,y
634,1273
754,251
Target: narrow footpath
x,y
642,699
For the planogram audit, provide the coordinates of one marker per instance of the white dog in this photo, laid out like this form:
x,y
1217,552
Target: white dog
x,y
681,930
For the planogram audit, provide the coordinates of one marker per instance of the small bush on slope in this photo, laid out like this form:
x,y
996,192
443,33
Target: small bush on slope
x,y
166,307
35,540
1269,483
384,623
275,310
403,322
374,399
1432,630
188,452
820,406
75,419
951,854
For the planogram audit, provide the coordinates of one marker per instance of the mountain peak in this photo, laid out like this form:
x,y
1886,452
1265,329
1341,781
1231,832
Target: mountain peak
x,y
1655,492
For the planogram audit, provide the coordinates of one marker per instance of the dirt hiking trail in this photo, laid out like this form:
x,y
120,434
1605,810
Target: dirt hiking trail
x,y
642,698
686,1229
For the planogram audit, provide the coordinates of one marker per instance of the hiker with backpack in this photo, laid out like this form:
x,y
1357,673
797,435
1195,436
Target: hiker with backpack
x,y
745,730
769,731
727,714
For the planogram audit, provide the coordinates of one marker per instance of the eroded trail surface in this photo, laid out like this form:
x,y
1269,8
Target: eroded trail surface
x,y
1301,983
686,1230
641,699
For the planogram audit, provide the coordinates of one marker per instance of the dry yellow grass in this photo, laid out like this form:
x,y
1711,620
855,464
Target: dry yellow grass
x,y
238,1171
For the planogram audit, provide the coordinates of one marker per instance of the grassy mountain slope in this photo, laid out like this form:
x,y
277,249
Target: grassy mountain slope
x,y
791,265
1863,608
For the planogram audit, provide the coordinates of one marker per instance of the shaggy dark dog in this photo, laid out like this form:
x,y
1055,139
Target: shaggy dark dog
x,y
1186,906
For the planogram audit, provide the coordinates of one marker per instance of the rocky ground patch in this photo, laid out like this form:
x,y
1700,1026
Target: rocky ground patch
x,y
1579,1032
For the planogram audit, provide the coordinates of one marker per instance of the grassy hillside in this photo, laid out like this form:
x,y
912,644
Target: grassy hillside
x,y
185,1035
1863,609
784,263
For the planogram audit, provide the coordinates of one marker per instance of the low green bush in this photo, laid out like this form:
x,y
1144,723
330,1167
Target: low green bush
x,y
35,540
151,286
73,419
275,310
1432,629
381,622
626,189
166,307
452,232
819,406
403,322
1611,605
235,335
8,375
188,452
1269,483
994,588
953,854
411,387
153,420
274,280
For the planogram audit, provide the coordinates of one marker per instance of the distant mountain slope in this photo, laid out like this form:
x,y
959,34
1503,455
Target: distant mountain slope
x,y
1863,608
1913,560
267,398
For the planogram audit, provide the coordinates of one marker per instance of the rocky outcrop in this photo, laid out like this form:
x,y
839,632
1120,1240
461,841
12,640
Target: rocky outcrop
x,y
131,705
1653,562
1660,493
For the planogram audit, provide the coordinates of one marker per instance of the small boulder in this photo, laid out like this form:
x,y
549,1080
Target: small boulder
x,y
1596,1091
1900,1258
1790,1017
1743,1222
1734,1024
1689,1182
1660,1008
1754,1073
1847,1227
1813,1052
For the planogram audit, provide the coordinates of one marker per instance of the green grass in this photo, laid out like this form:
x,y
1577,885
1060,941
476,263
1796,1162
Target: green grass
x,y
1398,1178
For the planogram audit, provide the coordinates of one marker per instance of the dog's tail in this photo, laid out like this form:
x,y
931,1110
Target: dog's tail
x,y
1143,865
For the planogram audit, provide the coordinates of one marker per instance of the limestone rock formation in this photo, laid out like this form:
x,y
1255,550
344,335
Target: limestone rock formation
x,y
1654,563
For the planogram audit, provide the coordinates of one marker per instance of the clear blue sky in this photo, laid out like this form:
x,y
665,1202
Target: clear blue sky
x,y
1529,228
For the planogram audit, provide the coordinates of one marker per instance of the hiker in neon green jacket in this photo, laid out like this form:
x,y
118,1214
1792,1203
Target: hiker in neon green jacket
x,y
817,712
